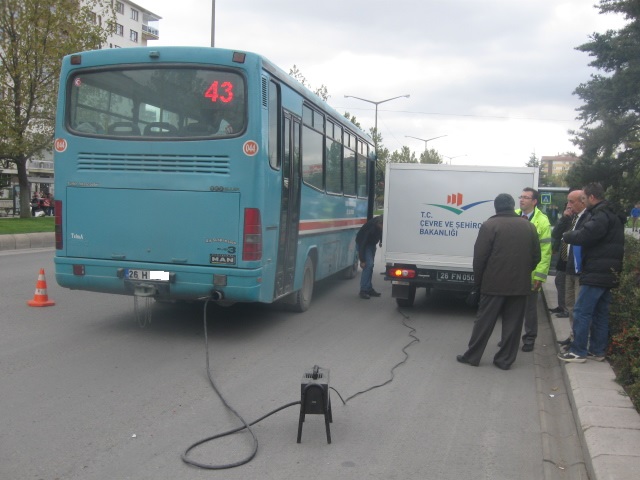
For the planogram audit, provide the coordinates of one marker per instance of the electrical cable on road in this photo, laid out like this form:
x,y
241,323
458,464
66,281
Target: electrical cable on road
x,y
406,357
247,426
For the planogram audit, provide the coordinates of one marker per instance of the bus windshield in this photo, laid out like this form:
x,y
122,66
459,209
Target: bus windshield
x,y
145,103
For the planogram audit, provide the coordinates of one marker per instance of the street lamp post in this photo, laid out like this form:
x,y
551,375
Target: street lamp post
x,y
425,140
375,136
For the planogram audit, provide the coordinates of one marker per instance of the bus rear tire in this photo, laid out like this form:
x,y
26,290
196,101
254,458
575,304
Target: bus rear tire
x,y
304,295
351,271
407,302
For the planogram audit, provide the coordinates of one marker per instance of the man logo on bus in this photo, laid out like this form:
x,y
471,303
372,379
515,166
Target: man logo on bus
x,y
455,199
250,148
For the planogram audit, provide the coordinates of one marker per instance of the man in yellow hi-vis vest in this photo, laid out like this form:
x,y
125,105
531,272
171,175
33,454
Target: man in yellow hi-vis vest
x,y
528,203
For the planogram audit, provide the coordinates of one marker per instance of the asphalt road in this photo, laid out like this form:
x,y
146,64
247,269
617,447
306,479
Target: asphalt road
x,y
88,394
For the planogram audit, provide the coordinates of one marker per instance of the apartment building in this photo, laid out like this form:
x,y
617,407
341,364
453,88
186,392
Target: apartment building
x,y
135,25
557,165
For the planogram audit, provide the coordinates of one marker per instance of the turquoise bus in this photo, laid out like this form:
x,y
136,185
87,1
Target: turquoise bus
x,y
186,173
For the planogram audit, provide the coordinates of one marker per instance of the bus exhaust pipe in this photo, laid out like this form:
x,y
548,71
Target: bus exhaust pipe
x,y
217,295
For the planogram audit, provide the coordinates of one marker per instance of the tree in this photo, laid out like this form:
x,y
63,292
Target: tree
x,y
608,136
352,119
34,36
321,91
431,156
404,155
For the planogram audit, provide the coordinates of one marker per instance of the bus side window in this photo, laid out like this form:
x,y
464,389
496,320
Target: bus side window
x,y
274,118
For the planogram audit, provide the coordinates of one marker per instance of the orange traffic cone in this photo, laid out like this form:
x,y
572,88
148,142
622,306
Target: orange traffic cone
x,y
40,298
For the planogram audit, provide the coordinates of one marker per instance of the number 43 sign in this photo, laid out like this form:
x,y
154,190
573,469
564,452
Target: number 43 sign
x,y
222,92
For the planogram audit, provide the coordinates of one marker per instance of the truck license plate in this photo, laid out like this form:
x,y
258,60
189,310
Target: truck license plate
x,y
459,277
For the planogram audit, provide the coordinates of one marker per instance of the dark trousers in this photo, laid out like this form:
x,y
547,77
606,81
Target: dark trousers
x,y
531,319
511,309
560,288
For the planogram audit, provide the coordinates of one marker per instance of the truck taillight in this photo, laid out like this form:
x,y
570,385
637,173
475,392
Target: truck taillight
x,y
58,224
401,272
252,237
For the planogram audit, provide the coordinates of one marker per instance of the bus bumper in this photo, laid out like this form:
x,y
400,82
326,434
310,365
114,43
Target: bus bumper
x,y
181,282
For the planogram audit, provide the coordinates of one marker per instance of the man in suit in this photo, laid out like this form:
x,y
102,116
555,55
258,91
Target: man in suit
x,y
576,204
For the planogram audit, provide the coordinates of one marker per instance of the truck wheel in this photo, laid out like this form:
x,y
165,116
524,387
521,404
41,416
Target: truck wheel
x,y
303,296
407,302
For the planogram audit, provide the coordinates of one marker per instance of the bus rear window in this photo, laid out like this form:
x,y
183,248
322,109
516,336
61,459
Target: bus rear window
x,y
156,103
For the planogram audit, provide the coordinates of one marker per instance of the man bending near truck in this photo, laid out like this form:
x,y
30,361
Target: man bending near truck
x,y
369,235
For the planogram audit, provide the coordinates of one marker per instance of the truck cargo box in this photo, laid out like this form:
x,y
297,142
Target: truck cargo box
x,y
432,214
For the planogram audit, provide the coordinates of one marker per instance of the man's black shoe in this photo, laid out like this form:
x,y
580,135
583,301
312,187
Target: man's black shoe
x,y
562,315
373,293
365,295
463,359
527,347
565,342
556,310
500,366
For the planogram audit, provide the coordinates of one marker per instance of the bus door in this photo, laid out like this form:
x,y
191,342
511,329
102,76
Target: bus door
x,y
289,206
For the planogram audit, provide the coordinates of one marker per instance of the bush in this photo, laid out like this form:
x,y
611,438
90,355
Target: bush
x,y
624,323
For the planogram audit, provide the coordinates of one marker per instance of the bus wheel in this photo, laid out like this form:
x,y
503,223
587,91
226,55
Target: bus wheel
x,y
352,270
407,302
303,296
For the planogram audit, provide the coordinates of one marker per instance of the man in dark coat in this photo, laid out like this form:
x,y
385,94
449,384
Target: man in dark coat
x,y
369,235
601,238
505,253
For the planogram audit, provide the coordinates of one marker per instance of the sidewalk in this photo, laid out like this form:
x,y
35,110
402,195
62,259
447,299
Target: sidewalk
x,y
608,423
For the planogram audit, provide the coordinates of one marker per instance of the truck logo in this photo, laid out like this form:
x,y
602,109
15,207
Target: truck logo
x,y
455,200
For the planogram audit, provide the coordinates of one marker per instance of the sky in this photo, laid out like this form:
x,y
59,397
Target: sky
x,y
494,79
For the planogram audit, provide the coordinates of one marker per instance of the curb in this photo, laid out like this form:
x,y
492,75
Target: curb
x,y
607,421
20,241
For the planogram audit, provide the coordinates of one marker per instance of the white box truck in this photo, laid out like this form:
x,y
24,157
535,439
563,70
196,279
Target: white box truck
x,y
432,214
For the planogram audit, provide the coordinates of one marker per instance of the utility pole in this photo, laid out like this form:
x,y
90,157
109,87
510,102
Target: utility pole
x,y
375,136
213,23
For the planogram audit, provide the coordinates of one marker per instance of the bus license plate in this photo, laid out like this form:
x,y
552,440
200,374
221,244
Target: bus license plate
x,y
459,277
149,275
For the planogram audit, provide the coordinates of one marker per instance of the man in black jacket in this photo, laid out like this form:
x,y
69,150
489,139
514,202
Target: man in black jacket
x,y
505,253
601,239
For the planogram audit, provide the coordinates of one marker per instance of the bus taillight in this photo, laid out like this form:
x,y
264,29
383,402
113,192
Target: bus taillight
x,y
58,224
252,238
